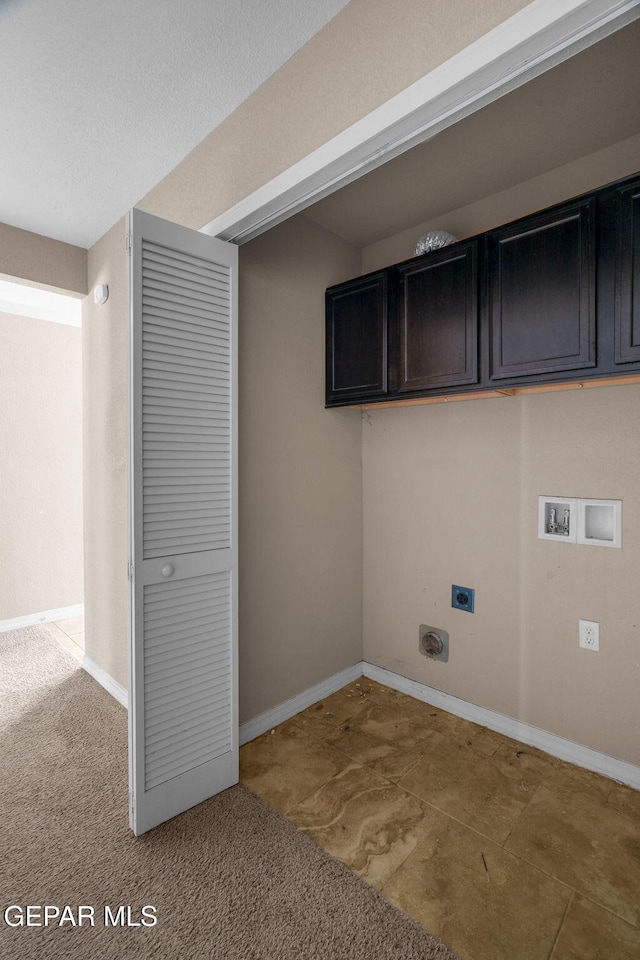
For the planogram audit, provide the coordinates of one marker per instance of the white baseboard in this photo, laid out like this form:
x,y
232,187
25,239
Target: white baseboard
x,y
284,711
557,746
106,680
260,724
516,729
33,619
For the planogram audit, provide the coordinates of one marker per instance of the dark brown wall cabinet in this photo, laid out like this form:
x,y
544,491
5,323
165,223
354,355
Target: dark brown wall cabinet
x,y
551,298
437,311
627,314
541,293
357,321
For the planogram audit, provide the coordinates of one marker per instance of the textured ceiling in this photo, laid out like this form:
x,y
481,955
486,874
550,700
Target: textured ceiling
x,y
580,106
100,99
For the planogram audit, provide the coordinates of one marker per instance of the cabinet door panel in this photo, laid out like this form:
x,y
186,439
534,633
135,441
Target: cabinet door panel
x,y
542,293
438,320
357,339
627,315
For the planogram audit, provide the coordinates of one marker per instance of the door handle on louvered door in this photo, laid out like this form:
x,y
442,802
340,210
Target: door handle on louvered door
x,y
167,570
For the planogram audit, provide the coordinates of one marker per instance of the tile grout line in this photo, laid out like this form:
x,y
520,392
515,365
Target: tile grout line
x,y
66,633
562,922
307,796
481,755
516,856
390,783
544,781
578,893
352,759
460,823
601,906
324,782
623,813
575,892
519,817
77,653
421,800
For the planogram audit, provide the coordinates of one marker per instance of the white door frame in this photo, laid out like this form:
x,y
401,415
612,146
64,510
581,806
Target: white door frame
x,y
542,35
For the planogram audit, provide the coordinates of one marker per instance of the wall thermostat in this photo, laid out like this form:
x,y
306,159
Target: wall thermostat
x,y
100,293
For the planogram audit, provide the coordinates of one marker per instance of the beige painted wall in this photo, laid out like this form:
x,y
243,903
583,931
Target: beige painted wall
x,y
105,351
41,466
450,496
40,260
368,53
360,59
300,474
429,502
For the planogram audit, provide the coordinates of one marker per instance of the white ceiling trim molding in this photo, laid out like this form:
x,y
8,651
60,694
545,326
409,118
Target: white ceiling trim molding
x,y
542,35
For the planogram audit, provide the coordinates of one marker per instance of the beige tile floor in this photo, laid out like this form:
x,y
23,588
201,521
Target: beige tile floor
x,y
502,851
69,633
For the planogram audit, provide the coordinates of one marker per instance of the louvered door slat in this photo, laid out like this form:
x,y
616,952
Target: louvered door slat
x,y
196,612
158,740
196,449
170,266
155,502
162,331
175,445
194,629
182,611
184,648
188,366
183,713
184,294
188,263
193,312
185,764
184,285
189,593
187,360
196,641
159,710
192,329
196,585
178,273
173,674
209,513
169,751
169,298
187,630
204,490
185,434
167,406
182,347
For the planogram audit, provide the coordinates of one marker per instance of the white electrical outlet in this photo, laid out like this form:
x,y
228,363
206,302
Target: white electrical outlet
x,y
589,634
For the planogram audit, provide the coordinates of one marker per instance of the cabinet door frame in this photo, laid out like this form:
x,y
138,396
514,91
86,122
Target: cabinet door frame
x,y
379,388
465,251
583,211
628,242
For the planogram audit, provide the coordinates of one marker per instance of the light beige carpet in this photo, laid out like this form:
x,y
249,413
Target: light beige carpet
x,y
228,879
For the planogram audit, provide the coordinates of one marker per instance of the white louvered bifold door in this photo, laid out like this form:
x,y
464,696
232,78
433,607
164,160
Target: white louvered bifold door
x,y
183,724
